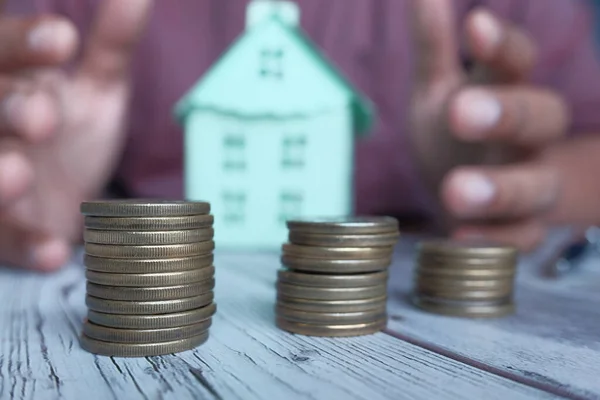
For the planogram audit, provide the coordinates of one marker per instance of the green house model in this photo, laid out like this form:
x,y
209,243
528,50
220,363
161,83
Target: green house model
x,y
269,132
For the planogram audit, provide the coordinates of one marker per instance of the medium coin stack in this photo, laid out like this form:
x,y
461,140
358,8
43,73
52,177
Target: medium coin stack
x,y
335,280
150,276
465,278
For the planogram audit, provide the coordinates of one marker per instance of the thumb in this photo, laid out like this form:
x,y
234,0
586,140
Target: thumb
x,y
116,30
435,42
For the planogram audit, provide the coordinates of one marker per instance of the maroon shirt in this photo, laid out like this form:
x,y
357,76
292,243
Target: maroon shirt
x,y
368,40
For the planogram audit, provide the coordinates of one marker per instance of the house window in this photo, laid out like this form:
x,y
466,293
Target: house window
x,y
290,205
234,204
293,152
271,63
234,149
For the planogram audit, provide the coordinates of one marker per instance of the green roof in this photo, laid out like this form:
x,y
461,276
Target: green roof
x,y
361,107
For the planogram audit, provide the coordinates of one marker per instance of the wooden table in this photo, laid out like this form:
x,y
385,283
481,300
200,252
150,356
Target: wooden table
x,y
548,349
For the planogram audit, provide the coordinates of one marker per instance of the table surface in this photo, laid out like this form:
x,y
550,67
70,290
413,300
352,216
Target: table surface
x,y
548,349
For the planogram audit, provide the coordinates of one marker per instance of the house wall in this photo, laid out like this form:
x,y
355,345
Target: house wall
x,y
258,173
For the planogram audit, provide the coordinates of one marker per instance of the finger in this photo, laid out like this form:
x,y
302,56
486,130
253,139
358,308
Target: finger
x,y
520,115
525,235
117,29
27,111
48,254
35,42
506,50
513,191
25,250
16,174
435,42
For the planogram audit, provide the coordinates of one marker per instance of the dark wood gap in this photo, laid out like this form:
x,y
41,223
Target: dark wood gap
x,y
484,367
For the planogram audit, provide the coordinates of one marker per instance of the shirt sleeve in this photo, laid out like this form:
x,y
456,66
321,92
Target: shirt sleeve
x,y
568,53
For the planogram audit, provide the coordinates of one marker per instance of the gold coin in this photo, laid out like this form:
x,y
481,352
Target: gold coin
x,y
151,280
446,294
148,307
388,239
308,317
150,293
332,306
144,208
141,336
463,284
332,281
147,237
470,310
319,293
332,266
344,225
141,350
149,223
466,262
463,303
331,330
337,253
467,248
150,252
456,273
148,266
152,321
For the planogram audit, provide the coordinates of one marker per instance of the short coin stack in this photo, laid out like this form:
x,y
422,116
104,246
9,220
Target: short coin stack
x,y
335,280
465,278
150,276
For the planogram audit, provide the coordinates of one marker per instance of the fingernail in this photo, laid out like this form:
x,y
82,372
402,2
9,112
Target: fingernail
x,y
15,176
478,112
49,255
489,28
51,36
476,189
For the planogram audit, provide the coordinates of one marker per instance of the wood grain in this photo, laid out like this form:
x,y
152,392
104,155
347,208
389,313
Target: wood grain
x,y
245,358
552,341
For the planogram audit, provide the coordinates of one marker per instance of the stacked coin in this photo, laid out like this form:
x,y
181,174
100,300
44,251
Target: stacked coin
x,y
150,276
335,280
465,278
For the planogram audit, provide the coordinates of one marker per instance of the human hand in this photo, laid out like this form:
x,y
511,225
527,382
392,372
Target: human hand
x,y
60,133
481,137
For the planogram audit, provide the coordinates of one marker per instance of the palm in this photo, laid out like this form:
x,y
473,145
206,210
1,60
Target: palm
x,y
91,105
481,139
78,161
440,76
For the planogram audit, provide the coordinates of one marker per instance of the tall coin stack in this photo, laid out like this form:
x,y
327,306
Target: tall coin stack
x,y
465,279
150,276
335,280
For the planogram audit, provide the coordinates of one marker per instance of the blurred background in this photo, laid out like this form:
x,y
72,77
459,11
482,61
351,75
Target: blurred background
x,y
596,7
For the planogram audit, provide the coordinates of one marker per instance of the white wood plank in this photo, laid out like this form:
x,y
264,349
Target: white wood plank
x,y
247,357
552,339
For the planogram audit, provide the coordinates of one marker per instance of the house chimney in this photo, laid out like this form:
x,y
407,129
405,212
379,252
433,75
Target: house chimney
x,y
260,10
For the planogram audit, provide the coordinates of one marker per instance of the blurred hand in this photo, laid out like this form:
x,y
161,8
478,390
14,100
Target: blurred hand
x,y
60,133
465,123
